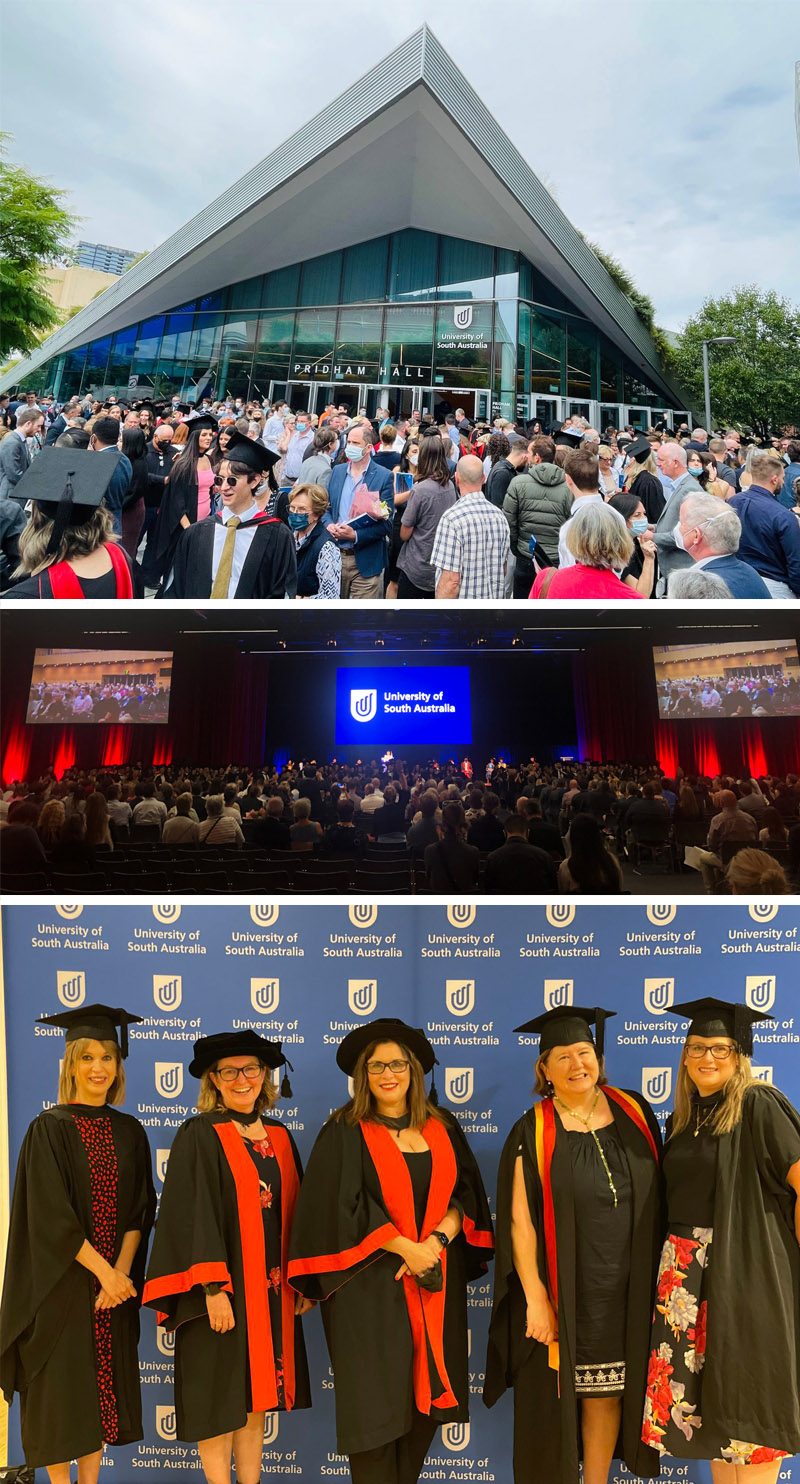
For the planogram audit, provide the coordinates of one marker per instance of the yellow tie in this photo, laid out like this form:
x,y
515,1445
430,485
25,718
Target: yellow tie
x,y
222,580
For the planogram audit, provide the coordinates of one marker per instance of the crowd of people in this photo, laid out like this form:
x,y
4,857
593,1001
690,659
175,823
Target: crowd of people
x,y
611,1322
98,701
767,692
248,499
528,829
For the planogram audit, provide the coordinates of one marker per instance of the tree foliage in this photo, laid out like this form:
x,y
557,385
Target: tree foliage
x,y
34,230
756,382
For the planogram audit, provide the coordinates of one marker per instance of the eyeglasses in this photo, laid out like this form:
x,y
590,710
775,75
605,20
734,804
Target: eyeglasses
x,y
230,480
252,1072
377,1068
719,1052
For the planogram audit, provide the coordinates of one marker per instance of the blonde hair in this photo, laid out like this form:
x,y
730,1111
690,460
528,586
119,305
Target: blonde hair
x,y
317,495
729,1112
361,1107
640,466
73,1052
541,1084
753,870
598,537
77,541
209,1098
50,821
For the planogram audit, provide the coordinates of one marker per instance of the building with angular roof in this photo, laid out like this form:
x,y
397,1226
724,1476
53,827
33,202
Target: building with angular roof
x,y
397,250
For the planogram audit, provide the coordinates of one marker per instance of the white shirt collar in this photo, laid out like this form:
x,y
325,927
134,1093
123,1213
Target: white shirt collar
x,y
226,513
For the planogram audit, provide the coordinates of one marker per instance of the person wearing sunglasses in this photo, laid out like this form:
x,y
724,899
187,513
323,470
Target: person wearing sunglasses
x,y
391,1226
240,551
217,1274
725,1346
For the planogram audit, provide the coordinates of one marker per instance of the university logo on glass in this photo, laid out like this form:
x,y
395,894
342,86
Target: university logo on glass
x,y
656,1083
461,914
166,1424
560,914
460,996
165,1340
271,1428
69,910
265,995
167,992
455,1436
363,704
162,1160
169,1078
659,994
759,991
558,992
71,987
362,996
363,914
763,911
166,911
662,913
459,1084
761,1074
264,914
462,316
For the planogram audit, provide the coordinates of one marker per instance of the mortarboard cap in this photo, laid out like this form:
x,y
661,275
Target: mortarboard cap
x,y
566,438
244,450
200,421
95,1023
713,1017
66,484
209,1049
385,1029
568,1024
640,448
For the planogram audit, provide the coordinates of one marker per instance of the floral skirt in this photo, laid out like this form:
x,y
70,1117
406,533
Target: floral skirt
x,y
673,1412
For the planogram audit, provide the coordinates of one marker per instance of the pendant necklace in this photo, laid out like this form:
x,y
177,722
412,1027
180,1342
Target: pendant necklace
x,y
586,1120
698,1125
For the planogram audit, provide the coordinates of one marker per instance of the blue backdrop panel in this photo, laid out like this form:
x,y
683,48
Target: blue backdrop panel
x,y
306,976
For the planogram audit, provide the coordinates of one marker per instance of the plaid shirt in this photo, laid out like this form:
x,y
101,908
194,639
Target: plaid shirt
x,y
472,538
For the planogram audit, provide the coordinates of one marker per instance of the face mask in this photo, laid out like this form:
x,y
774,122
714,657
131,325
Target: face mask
x,y
696,470
413,458
677,536
354,452
298,520
639,525
301,428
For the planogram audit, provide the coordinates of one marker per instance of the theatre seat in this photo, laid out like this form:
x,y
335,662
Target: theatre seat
x,y
248,882
152,883
77,884
22,881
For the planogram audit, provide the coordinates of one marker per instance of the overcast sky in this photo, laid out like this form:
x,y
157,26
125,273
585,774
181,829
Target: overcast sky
x,y
665,130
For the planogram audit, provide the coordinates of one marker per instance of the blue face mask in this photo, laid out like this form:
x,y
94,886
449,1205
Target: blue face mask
x,y
354,452
298,520
301,428
639,525
696,470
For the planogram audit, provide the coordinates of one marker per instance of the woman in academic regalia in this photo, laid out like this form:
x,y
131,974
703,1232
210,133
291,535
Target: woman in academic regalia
x,y
81,1213
724,1378
578,1231
217,1274
188,494
391,1226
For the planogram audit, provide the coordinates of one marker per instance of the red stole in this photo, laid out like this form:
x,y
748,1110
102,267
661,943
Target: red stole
x,y
65,584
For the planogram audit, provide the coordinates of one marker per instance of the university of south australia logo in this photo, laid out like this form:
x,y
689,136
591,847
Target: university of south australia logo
x,y
363,704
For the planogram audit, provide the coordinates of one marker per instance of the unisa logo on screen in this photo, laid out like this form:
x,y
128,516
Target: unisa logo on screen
x,y
403,703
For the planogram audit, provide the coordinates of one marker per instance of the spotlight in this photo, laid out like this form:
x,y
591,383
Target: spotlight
x,y
517,642
281,643
380,643
331,643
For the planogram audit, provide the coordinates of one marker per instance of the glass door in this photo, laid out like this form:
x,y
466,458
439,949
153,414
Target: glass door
x,y
638,418
610,417
547,411
400,400
579,409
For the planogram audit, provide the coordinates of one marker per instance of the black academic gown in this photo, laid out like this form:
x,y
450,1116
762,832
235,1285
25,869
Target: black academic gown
x,y
751,1377
208,1232
179,498
47,1348
269,571
392,1346
104,587
547,1424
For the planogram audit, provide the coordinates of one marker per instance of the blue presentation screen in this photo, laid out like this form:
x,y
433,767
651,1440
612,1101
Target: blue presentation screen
x,y
426,704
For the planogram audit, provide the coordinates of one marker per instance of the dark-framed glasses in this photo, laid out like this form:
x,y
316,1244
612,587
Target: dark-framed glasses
x,y
252,1072
229,479
377,1068
719,1052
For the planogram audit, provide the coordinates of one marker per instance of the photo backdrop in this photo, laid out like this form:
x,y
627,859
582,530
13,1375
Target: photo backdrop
x,y
308,975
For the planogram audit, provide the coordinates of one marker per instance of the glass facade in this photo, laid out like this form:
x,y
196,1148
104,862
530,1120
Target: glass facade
x,y
411,309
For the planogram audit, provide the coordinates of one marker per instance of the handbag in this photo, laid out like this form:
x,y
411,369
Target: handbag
x,y
19,1474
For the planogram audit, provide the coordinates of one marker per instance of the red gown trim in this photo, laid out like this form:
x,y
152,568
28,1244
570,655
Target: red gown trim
x,y
630,1106
65,584
290,1189
337,1262
425,1310
201,1272
475,1236
260,1347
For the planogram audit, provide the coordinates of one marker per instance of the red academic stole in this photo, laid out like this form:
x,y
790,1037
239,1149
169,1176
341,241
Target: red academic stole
x,y
66,585
425,1310
544,1115
256,1282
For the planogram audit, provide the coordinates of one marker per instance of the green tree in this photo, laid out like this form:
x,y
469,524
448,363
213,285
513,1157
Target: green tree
x,y
756,382
34,230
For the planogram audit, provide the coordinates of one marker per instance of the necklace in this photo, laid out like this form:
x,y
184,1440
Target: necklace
x,y
697,1124
244,1119
586,1120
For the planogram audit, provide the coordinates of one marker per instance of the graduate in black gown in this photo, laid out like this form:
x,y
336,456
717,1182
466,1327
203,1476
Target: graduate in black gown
x,y
391,1226
240,552
180,497
217,1274
578,1232
81,1213
724,1377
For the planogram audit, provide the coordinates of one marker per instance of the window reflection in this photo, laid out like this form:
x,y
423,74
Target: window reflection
x,y
466,269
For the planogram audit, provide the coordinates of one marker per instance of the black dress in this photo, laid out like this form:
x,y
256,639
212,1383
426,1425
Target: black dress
x,y
83,1175
602,1268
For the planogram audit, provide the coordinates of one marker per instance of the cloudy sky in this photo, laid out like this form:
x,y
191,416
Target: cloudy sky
x,y
665,130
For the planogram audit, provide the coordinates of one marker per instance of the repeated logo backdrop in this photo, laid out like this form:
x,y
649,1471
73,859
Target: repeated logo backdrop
x,y
308,975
